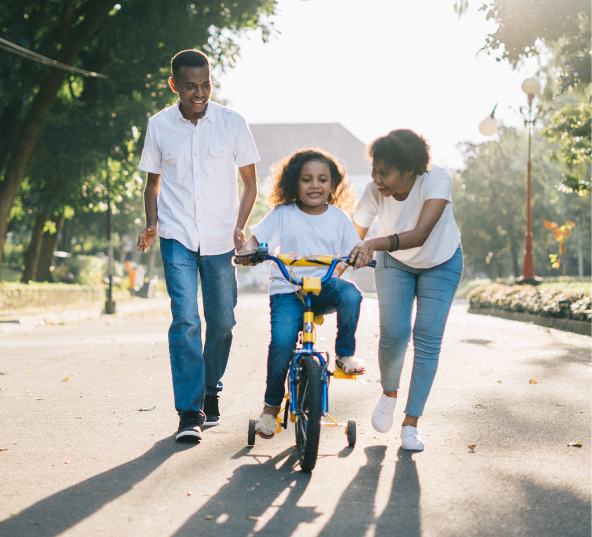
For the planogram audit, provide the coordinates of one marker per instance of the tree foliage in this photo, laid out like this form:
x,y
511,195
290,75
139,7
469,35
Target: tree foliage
x,y
490,205
561,31
523,25
56,128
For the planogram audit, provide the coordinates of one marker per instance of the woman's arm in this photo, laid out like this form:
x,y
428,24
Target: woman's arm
x,y
428,217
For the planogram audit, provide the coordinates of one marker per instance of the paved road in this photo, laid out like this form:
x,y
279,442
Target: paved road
x,y
79,457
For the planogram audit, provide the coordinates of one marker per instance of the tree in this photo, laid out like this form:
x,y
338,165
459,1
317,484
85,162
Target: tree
x,y
131,42
489,203
560,30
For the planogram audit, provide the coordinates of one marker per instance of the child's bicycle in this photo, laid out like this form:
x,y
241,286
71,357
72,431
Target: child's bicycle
x,y
307,398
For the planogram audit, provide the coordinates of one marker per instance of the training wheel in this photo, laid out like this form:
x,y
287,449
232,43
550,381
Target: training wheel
x,y
252,433
350,431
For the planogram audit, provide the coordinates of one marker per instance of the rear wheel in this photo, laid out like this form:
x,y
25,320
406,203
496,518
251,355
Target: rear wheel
x,y
251,438
310,410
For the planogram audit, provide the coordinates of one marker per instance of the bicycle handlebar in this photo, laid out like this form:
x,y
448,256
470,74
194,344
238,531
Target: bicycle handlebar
x,y
261,254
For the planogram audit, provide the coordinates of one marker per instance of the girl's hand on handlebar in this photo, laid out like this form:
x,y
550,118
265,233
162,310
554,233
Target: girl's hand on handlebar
x,y
362,254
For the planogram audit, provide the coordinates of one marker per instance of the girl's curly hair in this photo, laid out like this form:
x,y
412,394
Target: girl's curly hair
x,y
285,175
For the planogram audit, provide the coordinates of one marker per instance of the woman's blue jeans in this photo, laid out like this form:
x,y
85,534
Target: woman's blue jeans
x,y
398,285
197,372
287,311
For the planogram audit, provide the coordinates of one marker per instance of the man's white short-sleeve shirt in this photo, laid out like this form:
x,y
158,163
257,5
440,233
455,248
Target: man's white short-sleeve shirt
x,y
198,198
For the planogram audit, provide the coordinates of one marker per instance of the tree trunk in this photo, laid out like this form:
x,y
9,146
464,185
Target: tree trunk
x,y
514,254
28,135
494,264
65,244
48,245
32,253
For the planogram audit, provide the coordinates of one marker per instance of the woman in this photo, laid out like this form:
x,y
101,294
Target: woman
x,y
418,256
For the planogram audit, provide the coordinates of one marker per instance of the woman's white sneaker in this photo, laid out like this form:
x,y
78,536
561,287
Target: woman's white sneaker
x,y
382,417
410,439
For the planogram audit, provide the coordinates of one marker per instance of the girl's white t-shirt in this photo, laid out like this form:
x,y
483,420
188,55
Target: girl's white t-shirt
x,y
399,216
288,230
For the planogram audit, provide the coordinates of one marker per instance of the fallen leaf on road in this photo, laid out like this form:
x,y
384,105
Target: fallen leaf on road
x,y
254,517
574,444
472,447
532,381
67,378
147,409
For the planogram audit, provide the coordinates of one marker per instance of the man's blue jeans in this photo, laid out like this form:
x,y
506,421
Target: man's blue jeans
x,y
197,372
397,286
287,311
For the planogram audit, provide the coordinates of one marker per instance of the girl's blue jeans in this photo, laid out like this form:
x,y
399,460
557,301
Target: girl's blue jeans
x,y
287,311
398,286
198,371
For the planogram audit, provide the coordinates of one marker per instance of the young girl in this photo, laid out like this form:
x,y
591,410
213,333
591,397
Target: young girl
x,y
308,188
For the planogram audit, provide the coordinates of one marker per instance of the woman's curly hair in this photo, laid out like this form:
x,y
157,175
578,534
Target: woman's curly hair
x,y
285,175
403,150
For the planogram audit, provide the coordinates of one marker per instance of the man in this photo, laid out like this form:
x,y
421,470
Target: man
x,y
191,153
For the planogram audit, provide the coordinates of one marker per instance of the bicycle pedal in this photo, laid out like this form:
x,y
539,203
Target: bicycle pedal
x,y
341,374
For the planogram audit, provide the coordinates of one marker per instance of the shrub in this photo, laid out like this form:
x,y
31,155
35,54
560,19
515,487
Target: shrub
x,y
548,300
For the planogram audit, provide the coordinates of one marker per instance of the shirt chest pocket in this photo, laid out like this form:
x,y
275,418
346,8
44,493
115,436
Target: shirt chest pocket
x,y
221,160
170,163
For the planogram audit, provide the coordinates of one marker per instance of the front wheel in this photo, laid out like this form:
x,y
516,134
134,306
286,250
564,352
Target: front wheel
x,y
310,410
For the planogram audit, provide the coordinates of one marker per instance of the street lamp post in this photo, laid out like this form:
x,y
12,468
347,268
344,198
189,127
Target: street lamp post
x,y
488,127
531,87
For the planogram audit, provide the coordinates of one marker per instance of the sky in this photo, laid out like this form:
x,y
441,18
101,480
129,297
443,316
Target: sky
x,y
375,66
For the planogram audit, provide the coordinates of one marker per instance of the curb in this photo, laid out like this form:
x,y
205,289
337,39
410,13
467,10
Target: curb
x,y
567,325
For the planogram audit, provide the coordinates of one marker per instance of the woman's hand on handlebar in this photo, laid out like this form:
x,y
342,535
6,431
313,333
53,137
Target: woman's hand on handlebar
x,y
362,254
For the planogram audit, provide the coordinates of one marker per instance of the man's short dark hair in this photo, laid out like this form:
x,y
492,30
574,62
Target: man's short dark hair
x,y
188,58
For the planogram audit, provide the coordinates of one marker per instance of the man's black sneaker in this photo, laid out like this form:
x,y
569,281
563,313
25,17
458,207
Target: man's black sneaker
x,y
189,427
212,411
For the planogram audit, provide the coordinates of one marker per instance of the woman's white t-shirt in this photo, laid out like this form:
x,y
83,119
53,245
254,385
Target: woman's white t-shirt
x,y
288,230
399,216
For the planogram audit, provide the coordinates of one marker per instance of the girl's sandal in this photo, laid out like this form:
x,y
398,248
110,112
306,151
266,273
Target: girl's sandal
x,y
266,426
350,365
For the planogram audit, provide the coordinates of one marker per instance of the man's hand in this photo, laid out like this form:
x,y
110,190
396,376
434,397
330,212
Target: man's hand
x,y
239,239
146,238
246,261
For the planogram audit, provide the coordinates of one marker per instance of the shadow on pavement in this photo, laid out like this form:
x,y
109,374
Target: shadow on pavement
x,y
268,490
355,513
59,512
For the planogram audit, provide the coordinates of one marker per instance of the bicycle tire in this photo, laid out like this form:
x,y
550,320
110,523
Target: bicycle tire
x,y
310,407
252,432
351,433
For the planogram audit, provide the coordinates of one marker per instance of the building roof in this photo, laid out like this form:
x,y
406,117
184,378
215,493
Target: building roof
x,y
277,141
